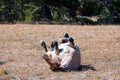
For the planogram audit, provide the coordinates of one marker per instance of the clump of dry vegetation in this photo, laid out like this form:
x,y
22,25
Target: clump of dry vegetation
x,y
20,52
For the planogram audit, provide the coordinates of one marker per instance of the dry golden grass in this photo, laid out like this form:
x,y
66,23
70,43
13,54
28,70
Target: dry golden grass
x,y
21,53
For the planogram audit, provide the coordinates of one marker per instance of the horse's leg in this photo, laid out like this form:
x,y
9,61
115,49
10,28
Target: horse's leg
x,y
54,45
43,44
54,65
66,35
72,42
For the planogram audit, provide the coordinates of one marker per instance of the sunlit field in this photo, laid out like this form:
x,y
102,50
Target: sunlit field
x,y
20,51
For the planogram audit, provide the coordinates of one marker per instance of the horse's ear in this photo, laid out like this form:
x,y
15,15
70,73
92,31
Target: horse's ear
x,y
43,44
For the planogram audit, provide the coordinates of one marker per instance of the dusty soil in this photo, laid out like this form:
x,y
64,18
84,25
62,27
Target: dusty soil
x,y
20,52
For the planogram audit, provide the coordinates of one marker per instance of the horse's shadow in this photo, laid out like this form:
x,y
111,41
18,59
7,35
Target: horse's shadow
x,y
86,68
81,68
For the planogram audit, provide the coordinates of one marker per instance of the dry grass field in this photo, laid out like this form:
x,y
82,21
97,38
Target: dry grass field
x,y
20,52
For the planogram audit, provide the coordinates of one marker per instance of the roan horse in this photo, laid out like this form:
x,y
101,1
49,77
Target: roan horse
x,y
65,56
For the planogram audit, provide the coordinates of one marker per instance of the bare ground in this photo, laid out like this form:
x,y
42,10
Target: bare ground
x,y
20,52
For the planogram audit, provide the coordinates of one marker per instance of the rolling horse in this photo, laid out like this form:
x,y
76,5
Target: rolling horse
x,y
63,56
